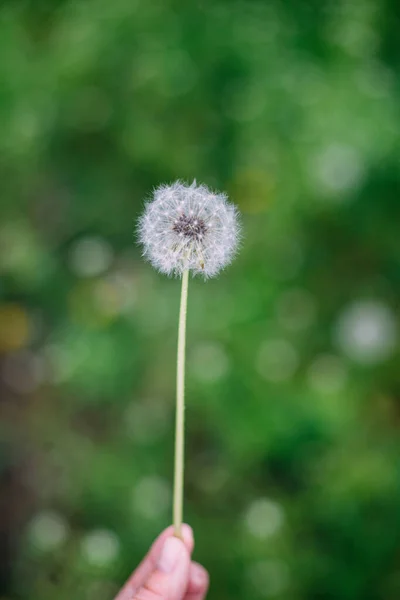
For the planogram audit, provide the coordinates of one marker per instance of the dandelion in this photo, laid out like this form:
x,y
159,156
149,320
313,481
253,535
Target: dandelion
x,y
187,228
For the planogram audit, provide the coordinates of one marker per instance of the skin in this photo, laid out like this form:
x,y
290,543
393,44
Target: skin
x,y
167,571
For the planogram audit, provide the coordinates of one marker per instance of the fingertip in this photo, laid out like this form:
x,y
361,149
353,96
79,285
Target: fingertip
x,y
198,579
149,563
172,551
170,577
187,536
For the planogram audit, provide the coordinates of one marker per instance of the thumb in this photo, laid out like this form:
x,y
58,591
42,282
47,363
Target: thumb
x,y
170,578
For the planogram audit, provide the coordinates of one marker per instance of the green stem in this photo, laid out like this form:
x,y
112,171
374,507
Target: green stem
x,y
180,411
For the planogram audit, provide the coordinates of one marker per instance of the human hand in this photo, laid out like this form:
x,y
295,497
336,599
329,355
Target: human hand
x,y
167,571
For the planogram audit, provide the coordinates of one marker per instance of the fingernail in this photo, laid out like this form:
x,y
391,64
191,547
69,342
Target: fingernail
x,y
169,554
187,534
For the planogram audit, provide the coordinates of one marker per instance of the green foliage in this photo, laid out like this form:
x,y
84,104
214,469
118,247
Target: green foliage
x,y
293,481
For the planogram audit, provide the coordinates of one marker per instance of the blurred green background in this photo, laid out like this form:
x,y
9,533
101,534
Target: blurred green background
x,y
293,415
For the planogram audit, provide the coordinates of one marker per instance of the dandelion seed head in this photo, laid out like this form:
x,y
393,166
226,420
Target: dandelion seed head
x,y
189,227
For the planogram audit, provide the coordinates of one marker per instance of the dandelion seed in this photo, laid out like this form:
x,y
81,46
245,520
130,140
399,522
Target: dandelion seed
x,y
207,224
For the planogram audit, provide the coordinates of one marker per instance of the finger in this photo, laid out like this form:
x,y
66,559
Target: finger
x,y
169,580
142,572
149,562
198,582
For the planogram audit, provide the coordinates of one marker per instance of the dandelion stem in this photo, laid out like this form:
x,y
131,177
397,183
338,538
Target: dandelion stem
x,y
180,411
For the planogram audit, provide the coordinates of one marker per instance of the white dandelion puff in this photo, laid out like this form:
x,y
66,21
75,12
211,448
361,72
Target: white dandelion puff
x,y
189,228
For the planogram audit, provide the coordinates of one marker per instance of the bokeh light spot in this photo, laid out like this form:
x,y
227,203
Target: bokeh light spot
x,y
338,168
100,547
268,577
152,497
14,327
89,257
366,332
48,530
277,360
209,362
264,518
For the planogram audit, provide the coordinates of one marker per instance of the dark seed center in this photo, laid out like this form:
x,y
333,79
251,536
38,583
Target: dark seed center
x,y
190,226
